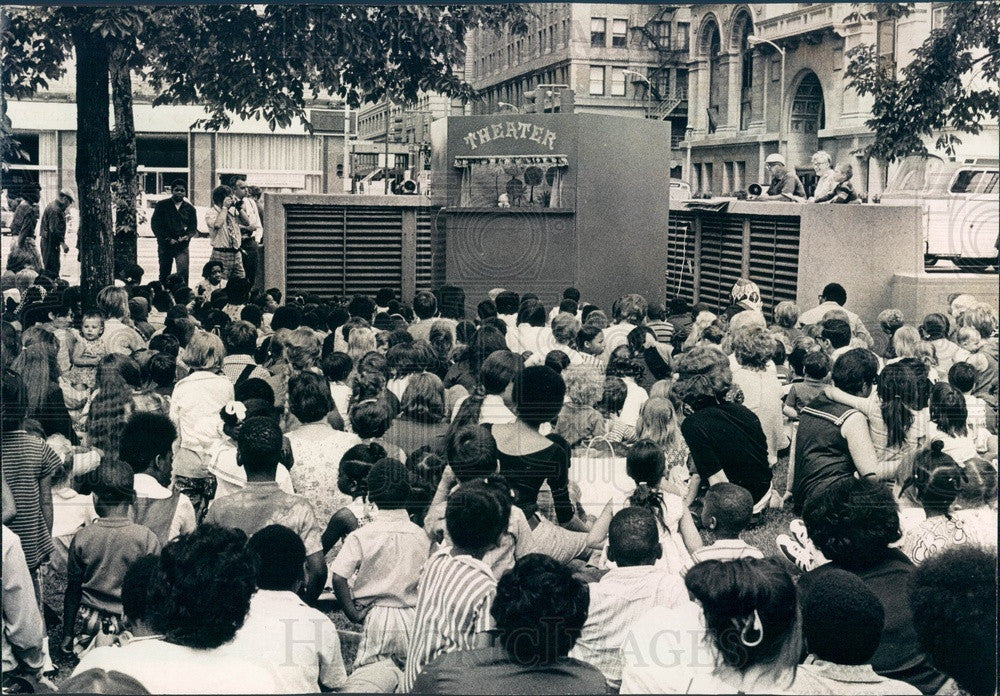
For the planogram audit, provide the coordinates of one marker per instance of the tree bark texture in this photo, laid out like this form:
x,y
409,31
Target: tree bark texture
x,y
95,239
126,190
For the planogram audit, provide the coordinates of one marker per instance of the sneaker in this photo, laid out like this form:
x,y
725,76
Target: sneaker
x,y
798,529
795,552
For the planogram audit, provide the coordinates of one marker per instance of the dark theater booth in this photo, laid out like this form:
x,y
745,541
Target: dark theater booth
x,y
540,202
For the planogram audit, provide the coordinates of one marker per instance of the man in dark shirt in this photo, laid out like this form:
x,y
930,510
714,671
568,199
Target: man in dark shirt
x,y
174,223
785,185
52,234
25,214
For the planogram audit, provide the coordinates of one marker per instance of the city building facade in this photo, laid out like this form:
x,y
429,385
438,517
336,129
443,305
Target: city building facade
x,y
619,59
169,147
765,78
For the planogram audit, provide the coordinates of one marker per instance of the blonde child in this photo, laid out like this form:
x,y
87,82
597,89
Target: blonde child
x,y
579,422
376,572
87,347
194,409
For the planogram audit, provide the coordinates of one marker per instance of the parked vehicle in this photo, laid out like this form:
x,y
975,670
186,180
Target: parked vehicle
x,y
961,203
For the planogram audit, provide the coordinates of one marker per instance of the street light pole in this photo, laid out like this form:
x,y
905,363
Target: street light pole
x,y
649,88
756,41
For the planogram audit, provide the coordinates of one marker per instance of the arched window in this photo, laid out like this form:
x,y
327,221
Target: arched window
x,y
808,110
742,29
711,47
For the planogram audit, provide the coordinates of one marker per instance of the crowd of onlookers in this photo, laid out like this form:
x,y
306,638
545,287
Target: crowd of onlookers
x,y
517,499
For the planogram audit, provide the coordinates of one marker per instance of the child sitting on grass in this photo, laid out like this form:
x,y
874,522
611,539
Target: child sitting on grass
x,y
99,555
376,572
726,512
579,422
456,588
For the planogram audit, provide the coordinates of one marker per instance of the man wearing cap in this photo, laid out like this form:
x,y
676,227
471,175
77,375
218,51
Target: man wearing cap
x,y
52,234
785,186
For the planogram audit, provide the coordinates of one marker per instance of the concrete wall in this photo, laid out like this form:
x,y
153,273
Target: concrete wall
x,y
862,247
919,294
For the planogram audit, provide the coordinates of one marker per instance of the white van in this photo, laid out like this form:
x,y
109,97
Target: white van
x,y
961,202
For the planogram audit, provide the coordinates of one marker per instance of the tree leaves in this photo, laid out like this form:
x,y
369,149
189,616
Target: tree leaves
x,y
950,86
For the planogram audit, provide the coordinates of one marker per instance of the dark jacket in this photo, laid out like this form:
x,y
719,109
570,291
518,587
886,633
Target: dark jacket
x,y
25,218
53,230
170,223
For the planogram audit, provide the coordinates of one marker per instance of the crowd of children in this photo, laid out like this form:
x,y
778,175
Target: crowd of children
x,y
197,481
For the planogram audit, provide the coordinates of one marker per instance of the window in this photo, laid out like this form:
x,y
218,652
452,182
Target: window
x,y
740,176
619,33
598,31
617,82
886,43
683,39
597,79
971,181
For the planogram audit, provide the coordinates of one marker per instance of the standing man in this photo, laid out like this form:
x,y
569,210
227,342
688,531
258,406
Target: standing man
x,y
53,232
174,223
825,181
785,185
250,227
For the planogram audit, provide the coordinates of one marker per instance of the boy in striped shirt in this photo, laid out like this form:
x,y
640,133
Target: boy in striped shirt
x,y
456,588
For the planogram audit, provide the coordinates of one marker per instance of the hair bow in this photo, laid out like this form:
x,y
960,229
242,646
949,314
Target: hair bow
x,y
238,409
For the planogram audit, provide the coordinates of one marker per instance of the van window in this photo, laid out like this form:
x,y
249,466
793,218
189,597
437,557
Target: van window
x,y
967,181
919,175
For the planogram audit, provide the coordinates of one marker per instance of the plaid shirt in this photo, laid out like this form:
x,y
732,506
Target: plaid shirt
x,y
233,366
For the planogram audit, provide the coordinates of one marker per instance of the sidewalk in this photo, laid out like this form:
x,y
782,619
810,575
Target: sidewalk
x,y
200,251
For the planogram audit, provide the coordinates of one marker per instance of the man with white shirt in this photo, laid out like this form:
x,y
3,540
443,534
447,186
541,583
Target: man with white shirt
x,y
835,297
251,229
626,592
147,447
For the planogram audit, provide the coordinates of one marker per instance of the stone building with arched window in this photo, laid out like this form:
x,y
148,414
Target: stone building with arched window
x,y
765,78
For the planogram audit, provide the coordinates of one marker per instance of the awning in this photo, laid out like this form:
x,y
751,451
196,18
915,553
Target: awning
x,y
521,160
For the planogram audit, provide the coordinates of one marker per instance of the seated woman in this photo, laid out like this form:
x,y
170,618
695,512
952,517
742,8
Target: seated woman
x,y
528,459
421,414
726,440
751,636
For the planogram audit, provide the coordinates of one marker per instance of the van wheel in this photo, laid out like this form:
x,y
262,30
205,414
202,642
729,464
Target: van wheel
x,y
930,260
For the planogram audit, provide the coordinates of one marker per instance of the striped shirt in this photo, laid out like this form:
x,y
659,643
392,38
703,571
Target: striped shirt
x,y
617,601
26,461
726,550
454,597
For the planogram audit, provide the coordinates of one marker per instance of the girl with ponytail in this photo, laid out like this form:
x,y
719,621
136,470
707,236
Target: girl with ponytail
x,y
937,481
488,403
661,492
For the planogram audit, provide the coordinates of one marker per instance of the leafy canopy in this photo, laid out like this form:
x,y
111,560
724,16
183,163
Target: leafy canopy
x,y
950,86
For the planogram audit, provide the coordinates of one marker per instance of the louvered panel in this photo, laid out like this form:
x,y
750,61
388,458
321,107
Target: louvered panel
x,y
721,258
314,249
374,253
430,251
774,258
345,250
680,256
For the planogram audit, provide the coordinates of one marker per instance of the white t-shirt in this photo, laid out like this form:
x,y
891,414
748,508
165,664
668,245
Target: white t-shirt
x,y
298,642
166,668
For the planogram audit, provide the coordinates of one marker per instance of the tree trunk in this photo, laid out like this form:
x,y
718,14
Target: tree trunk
x,y
95,239
126,190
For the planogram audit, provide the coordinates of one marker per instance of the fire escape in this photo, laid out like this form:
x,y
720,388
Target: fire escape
x,y
661,106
